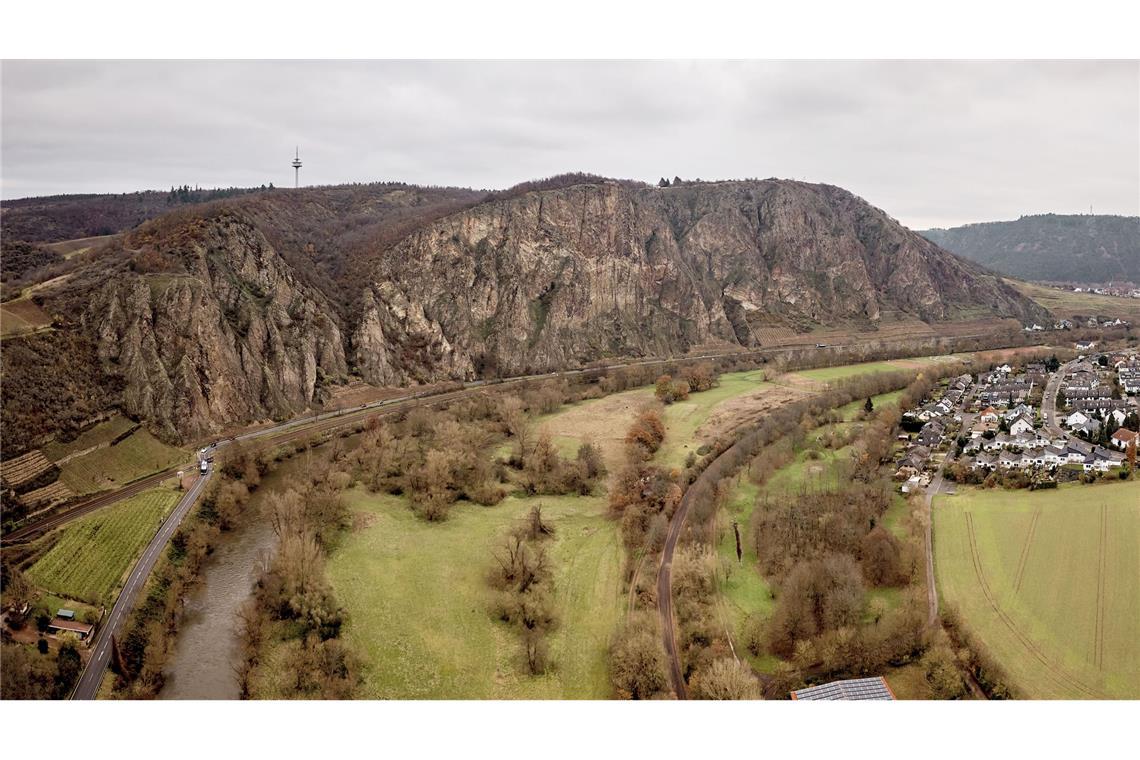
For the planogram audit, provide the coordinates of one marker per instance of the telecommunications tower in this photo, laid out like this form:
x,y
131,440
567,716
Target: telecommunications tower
x,y
297,168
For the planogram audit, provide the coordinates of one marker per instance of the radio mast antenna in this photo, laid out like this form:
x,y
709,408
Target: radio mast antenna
x,y
297,168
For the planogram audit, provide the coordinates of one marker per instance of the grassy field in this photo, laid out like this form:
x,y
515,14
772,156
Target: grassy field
x,y
138,455
1065,303
418,601
604,421
684,418
22,316
104,432
850,410
1049,582
842,372
744,591
71,248
94,553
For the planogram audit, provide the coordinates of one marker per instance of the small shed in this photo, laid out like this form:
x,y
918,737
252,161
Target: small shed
x,y
60,625
65,614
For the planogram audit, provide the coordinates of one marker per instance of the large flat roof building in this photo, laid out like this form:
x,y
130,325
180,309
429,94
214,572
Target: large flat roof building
x,y
855,688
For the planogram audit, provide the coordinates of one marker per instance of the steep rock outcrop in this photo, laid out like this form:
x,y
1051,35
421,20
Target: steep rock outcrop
x,y
564,276
231,336
197,321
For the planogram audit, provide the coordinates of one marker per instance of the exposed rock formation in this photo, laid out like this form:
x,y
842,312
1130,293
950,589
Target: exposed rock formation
x,y
564,276
232,337
207,323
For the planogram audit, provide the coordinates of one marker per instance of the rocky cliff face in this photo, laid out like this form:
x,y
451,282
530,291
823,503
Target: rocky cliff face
x,y
212,325
229,336
565,276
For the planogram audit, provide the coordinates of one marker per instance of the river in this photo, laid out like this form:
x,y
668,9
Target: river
x,y
207,648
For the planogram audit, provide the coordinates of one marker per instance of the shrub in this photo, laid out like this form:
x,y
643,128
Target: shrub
x,y
637,659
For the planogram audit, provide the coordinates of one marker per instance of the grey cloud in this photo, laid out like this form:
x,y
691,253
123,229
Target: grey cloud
x,y
932,143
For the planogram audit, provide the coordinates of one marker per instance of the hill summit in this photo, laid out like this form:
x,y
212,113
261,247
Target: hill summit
x,y
257,306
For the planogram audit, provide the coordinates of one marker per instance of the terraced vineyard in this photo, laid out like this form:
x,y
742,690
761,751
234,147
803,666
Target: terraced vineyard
x,y
49,494
92,555
23,469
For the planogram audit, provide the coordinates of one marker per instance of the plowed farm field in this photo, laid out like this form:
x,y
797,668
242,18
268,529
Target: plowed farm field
x,y
1049,582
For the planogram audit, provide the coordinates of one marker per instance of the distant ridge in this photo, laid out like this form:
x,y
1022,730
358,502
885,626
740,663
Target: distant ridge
x,y
1051,247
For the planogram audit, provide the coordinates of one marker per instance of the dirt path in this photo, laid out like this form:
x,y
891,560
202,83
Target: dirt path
x,y
665,596
1024,558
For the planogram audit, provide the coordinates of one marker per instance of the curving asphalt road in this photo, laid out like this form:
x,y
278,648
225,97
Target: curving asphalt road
x,y
1049,400
92,676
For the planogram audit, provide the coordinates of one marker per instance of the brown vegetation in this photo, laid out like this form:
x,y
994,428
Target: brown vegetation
x,y
637,661
292,591
521,577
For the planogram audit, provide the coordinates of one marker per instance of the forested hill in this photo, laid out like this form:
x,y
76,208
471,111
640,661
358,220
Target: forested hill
x,y
1051,247
53,218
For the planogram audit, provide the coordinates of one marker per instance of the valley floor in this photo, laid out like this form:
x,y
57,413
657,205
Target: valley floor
x,y
419,604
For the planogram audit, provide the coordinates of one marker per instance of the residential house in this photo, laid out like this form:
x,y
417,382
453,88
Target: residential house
x,y
912,462
64,625
1102,460
1017,411
1090,428
1076,419
1023,424
986,461
1078,450
1123,438
1054,456
931,434
1009,460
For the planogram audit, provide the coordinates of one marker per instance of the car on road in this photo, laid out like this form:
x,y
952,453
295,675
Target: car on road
x,y
203,466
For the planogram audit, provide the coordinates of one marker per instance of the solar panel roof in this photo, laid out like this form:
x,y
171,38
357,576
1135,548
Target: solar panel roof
x,y
855,688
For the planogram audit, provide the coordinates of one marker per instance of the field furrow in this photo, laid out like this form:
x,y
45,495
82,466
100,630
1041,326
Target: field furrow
x,y
1048,584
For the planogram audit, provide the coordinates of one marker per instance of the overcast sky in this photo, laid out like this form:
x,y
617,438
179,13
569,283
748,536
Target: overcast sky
x,y
933,144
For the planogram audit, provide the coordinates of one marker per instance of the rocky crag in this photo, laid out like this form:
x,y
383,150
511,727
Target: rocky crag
x,y
225,315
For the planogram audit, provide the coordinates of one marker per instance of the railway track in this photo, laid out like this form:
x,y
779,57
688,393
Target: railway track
x,y
307,426
38,528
